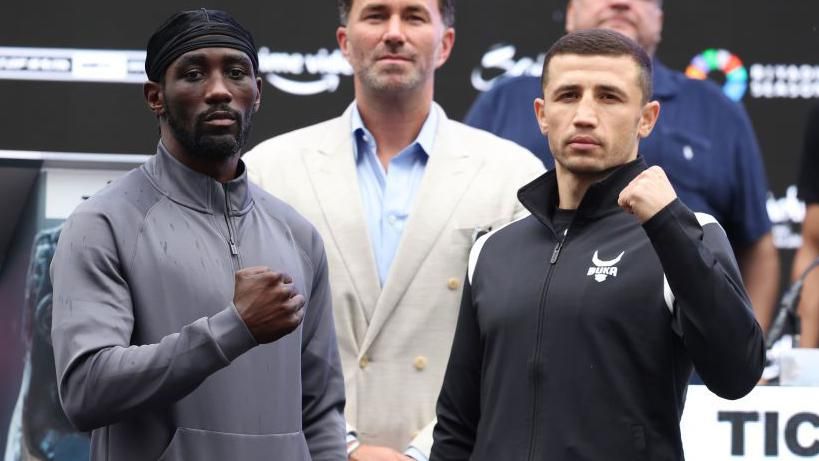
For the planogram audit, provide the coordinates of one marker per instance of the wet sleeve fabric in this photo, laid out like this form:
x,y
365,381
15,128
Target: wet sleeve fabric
x,y
101,377
713,312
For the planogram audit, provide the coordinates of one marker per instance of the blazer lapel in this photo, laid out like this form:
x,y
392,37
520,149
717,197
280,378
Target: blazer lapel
x,y
448,173
332,171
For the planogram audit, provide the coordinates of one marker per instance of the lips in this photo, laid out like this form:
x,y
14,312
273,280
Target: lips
x,y
583,142
394,58
584,139
219,118
220,115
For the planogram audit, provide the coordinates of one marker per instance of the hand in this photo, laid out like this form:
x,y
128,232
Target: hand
x,y
268,303
375,453
647,194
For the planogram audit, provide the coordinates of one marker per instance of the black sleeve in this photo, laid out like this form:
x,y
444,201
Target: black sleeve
x,y
713,312
808,184
458,407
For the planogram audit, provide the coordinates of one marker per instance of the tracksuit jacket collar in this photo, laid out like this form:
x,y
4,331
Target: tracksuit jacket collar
x,y
195,190
540,196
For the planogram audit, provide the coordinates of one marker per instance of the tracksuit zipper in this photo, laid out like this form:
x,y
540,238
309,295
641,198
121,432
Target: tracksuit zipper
x,y
539,338
234,248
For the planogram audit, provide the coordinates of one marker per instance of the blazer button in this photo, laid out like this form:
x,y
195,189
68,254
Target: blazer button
x,y
364,362
420,362
453,283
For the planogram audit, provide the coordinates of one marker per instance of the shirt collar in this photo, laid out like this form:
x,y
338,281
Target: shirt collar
x,y
196,190
425,138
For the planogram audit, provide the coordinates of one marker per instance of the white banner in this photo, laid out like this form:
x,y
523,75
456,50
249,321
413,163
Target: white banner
x,y
770,423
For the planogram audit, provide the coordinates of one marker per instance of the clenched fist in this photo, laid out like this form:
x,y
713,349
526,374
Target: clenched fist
x,y
647,194
268,303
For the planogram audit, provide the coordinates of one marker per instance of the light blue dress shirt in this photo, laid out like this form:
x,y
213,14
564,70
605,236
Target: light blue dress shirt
x,y
388,196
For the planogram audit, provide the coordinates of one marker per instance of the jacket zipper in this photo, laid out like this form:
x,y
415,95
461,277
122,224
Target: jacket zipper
x,y
539,338
234,248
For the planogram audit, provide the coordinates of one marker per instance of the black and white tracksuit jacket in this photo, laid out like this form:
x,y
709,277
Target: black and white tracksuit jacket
x,y
566,348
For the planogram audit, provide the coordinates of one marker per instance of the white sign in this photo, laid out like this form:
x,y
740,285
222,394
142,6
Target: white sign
x,y
770,423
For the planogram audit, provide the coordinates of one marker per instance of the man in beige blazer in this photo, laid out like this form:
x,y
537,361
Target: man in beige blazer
x,y
399,193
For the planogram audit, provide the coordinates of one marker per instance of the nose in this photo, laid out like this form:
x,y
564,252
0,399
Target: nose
x,y
217,90
394,35
586,114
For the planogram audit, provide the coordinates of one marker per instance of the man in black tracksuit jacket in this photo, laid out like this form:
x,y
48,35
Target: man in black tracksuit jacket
x,y
579,324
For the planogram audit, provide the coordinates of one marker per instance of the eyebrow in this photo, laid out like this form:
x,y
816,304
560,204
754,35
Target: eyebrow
x,y
374,8
417,9
611,89
381,7
192,59
597,88
565,88
229,58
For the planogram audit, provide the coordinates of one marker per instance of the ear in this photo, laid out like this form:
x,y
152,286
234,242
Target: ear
x,y
540,116
341,38
447,42
648,118
154,97
257,103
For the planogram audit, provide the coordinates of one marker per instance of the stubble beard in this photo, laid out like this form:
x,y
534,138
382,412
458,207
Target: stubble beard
x,y
390,80
210,146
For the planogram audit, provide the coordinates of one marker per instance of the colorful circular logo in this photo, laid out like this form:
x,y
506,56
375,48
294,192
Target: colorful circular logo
x,y
711,60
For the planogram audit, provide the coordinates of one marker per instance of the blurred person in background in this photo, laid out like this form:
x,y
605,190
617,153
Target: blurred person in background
x,y
808,187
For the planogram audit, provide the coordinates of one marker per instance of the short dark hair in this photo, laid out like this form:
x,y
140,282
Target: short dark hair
x,y
601,42
447,8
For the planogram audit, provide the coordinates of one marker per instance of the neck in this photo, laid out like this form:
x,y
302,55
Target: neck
x,y
393,119
222,170
571,188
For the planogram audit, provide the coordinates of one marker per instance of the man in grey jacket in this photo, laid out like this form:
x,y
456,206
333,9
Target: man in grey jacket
x,y
192,315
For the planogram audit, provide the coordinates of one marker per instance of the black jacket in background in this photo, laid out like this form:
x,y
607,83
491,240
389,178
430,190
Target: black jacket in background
x,y
569,351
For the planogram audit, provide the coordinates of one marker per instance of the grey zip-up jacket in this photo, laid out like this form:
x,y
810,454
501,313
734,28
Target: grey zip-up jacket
x,y
151,352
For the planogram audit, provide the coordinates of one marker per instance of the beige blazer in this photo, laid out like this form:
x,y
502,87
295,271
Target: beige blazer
x,y
395,340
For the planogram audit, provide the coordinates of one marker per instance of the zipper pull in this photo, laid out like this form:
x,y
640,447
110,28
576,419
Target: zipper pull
x,y
556,251
234,250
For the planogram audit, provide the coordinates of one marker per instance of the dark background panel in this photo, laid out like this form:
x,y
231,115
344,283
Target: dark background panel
x,y
113,117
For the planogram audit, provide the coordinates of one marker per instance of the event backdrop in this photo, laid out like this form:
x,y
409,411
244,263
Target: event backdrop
x,y
71,81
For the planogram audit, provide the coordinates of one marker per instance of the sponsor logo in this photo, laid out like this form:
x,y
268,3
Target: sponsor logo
x,y
766,81
499,62
786,214
291,72
603,269
711,60
304,74
759,81
786,81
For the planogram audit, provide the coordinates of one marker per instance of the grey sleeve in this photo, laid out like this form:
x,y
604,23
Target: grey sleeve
x,y
102,377
711,307
322,379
